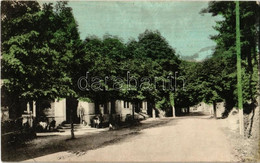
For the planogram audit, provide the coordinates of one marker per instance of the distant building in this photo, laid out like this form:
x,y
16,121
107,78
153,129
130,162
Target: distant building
x,y
122,109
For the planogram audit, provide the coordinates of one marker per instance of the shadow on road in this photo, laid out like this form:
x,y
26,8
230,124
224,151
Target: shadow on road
x,y
79,146
118,136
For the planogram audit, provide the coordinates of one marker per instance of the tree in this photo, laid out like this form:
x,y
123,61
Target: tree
x,y
102,62
67,42
37,50
33,66
192,92
226,44
16,15
162,56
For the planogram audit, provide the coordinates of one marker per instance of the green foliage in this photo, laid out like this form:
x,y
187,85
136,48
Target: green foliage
x,y
196,84
150,56
222,76
46,58
37,49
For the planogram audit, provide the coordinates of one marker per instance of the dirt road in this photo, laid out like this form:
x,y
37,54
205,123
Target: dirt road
x,y
181,139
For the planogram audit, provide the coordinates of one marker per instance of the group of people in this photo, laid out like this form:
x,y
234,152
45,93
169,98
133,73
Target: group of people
x,y
46,124
97,121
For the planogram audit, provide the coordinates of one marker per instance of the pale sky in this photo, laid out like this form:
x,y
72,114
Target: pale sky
x,y
179,22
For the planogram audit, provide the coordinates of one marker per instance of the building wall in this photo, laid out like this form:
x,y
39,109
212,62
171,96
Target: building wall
x,y
144,107
124,111
86,110
47,111
220,109
208,108
128,110
202,107
59,111
89,111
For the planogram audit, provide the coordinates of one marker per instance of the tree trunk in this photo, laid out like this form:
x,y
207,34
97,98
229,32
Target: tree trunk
x,y
149,108
112,111
113,108
133,110
72,124
97,111
171,96
154,114
105,107
153,111
215,109
173,111
71,104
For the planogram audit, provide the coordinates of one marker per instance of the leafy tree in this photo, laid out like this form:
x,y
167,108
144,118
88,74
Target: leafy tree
x,y
16,16
163,58
34,59
102,62
37,50
192,92
137,66
225,50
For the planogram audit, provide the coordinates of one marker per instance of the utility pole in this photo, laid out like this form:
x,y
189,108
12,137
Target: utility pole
x,y
239,84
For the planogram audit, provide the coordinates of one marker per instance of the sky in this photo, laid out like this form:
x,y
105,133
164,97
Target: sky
x,y
180,23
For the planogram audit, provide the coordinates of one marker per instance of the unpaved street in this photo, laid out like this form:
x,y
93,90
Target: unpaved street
x,y
191,138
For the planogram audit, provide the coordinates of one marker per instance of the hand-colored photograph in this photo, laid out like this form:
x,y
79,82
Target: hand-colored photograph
x,y
130,81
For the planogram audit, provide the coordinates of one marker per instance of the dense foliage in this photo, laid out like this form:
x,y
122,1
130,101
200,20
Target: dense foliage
x,y
37,46
222,66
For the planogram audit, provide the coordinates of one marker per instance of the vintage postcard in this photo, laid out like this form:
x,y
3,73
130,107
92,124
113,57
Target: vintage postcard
x,y
130,81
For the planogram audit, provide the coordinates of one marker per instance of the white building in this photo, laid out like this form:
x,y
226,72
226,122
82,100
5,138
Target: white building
x,y
123,109
86,111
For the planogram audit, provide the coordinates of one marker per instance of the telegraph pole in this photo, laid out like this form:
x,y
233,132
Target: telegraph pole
x,y
239,84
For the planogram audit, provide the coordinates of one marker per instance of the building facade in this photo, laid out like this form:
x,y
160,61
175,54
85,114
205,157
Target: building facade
x,y
85,112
